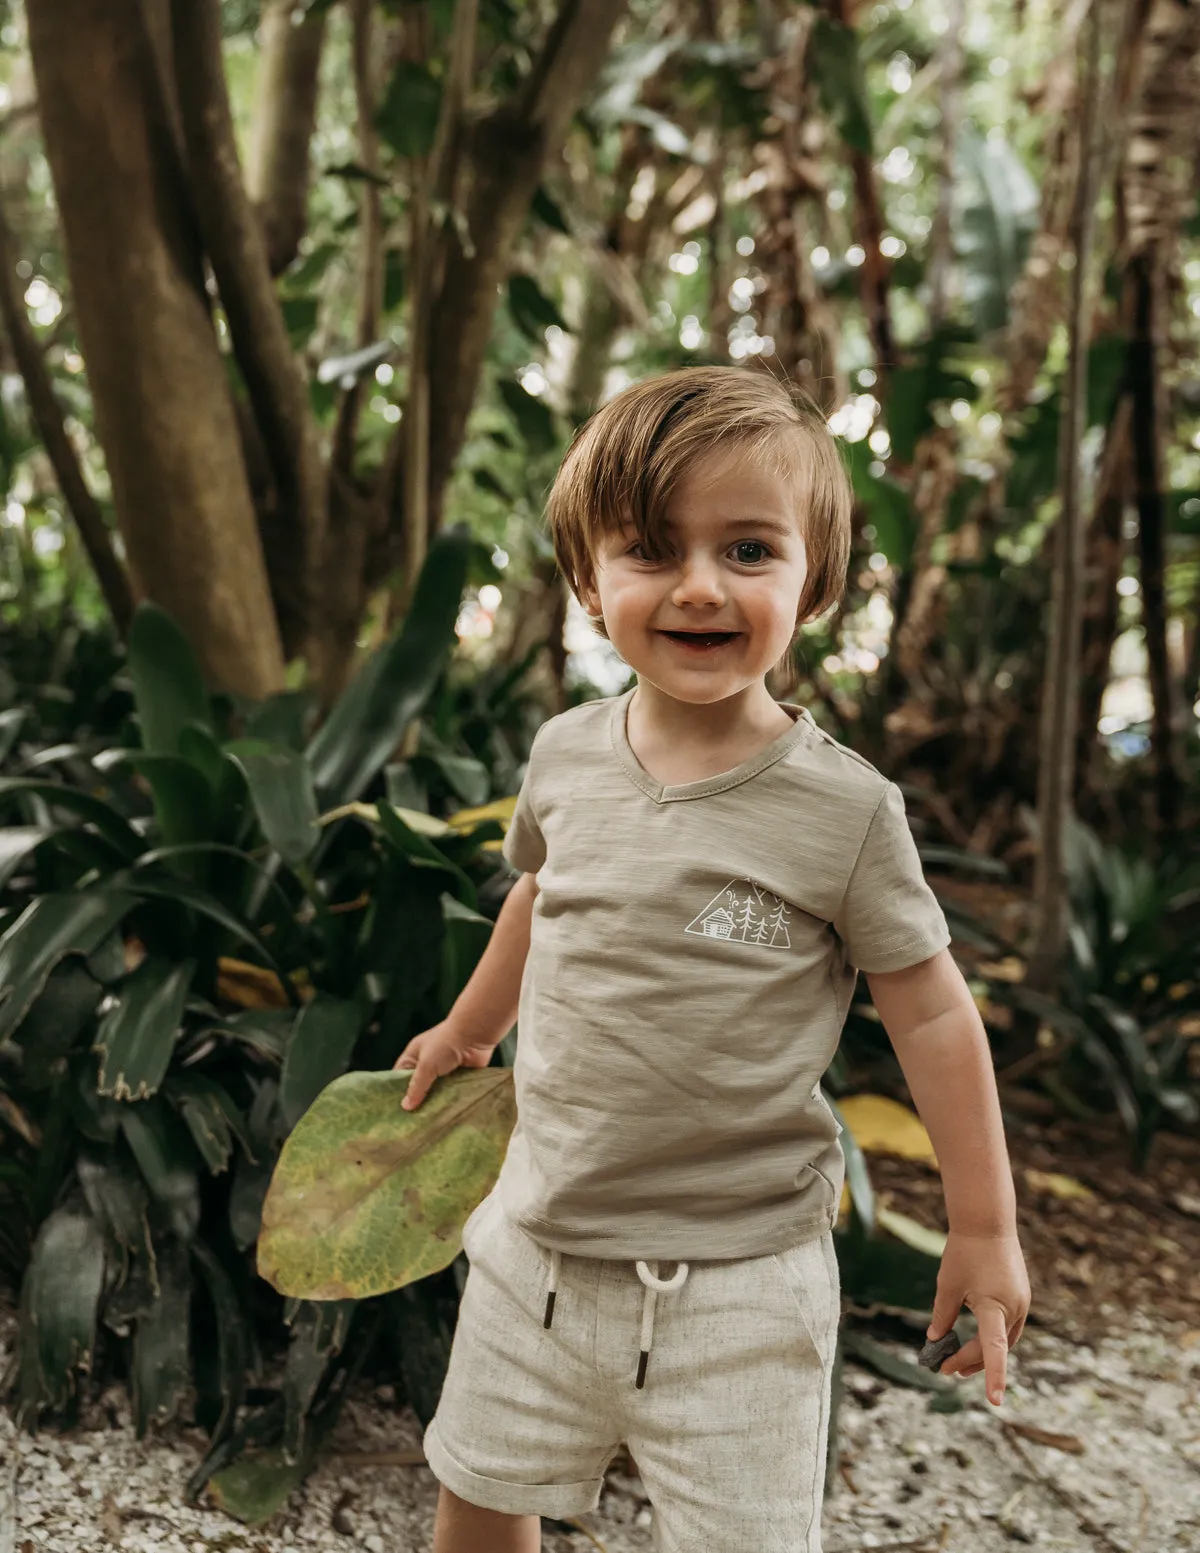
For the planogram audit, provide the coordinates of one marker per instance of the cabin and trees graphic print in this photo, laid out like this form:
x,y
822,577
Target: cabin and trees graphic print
x,y
745,911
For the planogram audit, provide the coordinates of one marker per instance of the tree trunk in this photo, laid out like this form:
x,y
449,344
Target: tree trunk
x,y
285,107
163,408
1060,695
294,520
1102,571
1145,367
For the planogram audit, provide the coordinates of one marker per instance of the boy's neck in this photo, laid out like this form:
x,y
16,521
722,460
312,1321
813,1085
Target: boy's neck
x,y
660,720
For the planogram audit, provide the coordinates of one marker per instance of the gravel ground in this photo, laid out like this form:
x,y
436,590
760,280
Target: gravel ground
x,y
1124,1475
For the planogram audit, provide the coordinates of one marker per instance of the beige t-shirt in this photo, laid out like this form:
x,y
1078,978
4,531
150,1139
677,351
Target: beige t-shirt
x,y
693,952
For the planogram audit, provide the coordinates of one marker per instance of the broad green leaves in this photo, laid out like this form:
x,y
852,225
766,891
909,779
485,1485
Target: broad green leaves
x,y
168,685
285,801
52,927
137,1036
359,736
59,1300
408,115
368,1197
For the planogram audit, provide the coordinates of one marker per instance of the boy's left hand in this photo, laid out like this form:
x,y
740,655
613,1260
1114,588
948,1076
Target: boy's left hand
x,y
987,1274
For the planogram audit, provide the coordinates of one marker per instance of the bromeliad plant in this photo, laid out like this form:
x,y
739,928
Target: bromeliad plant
x,y
192,946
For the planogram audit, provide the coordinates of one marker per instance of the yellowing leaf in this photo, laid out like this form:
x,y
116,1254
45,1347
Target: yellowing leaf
x,y
423,824
1008,969
1058,1186
367,1197
931,1241
883,1126
499,809
249,986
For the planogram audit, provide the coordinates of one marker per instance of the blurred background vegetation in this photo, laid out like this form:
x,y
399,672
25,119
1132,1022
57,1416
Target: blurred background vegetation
x,y
301,305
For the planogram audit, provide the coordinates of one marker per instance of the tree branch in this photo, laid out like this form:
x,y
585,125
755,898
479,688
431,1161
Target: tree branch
x,y
370,219
433,193
48,418
504,157
285,106
237,250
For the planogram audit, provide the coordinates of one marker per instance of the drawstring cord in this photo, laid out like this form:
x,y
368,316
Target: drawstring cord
x,y
555,1264
654,1286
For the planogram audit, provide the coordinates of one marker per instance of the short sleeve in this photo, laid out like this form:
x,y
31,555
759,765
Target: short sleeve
x,y
889,918
524,844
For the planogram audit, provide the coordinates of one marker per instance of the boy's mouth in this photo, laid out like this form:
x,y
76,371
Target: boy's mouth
x,y
702,641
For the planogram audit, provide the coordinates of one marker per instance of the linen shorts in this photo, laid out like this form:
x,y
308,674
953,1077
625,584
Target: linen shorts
x,y
728,1430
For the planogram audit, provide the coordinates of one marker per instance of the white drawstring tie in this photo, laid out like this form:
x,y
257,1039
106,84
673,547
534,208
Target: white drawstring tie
x,y
654,1286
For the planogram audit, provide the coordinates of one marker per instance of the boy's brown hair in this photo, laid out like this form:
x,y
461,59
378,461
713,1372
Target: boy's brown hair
x,y
627,459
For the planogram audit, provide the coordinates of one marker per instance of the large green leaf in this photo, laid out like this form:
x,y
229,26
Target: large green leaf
x,y
212,1117
161,1368
167,684
16,843
136,1037
319,1332
116,1194
183,799
52,927
257,1485
74,800
534,418
408,115
367,1197
56,1021
221,1375
532,310
184,892
11,722
167,1160
59,1299
281,786
318,1051
466,937
834,65
364,728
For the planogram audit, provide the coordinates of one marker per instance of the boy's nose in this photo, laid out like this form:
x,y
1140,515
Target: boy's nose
x,y
699,582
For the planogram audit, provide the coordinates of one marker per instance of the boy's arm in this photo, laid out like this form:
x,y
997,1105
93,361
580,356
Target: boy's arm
x,y
486,1008
942,1047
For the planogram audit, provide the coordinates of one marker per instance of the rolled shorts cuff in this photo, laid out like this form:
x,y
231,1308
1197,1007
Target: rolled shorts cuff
x,y
555,1500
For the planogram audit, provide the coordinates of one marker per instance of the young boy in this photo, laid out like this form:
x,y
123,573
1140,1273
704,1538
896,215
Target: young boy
x,y
704,874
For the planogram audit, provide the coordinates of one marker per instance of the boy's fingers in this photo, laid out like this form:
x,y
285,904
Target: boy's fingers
x,y
945,1314
418,1086
987,1352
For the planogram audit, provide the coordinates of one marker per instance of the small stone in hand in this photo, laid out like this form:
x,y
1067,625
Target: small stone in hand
x,y
934,1355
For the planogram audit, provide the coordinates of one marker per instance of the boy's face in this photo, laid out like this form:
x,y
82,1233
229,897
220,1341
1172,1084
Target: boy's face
x,y
735,562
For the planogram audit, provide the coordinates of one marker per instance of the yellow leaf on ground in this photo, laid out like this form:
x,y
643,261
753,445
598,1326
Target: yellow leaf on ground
x,y
1057,1186
883,1126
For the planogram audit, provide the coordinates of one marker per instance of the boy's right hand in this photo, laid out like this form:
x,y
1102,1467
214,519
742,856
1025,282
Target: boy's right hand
x,y
436,1052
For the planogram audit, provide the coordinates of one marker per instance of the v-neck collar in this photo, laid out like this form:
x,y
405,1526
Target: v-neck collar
x,y
803,727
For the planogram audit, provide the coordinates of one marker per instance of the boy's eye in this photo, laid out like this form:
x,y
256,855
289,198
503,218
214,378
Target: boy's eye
x,y
638,551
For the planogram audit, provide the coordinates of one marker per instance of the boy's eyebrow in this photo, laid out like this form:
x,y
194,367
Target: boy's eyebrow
x,y
768,525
